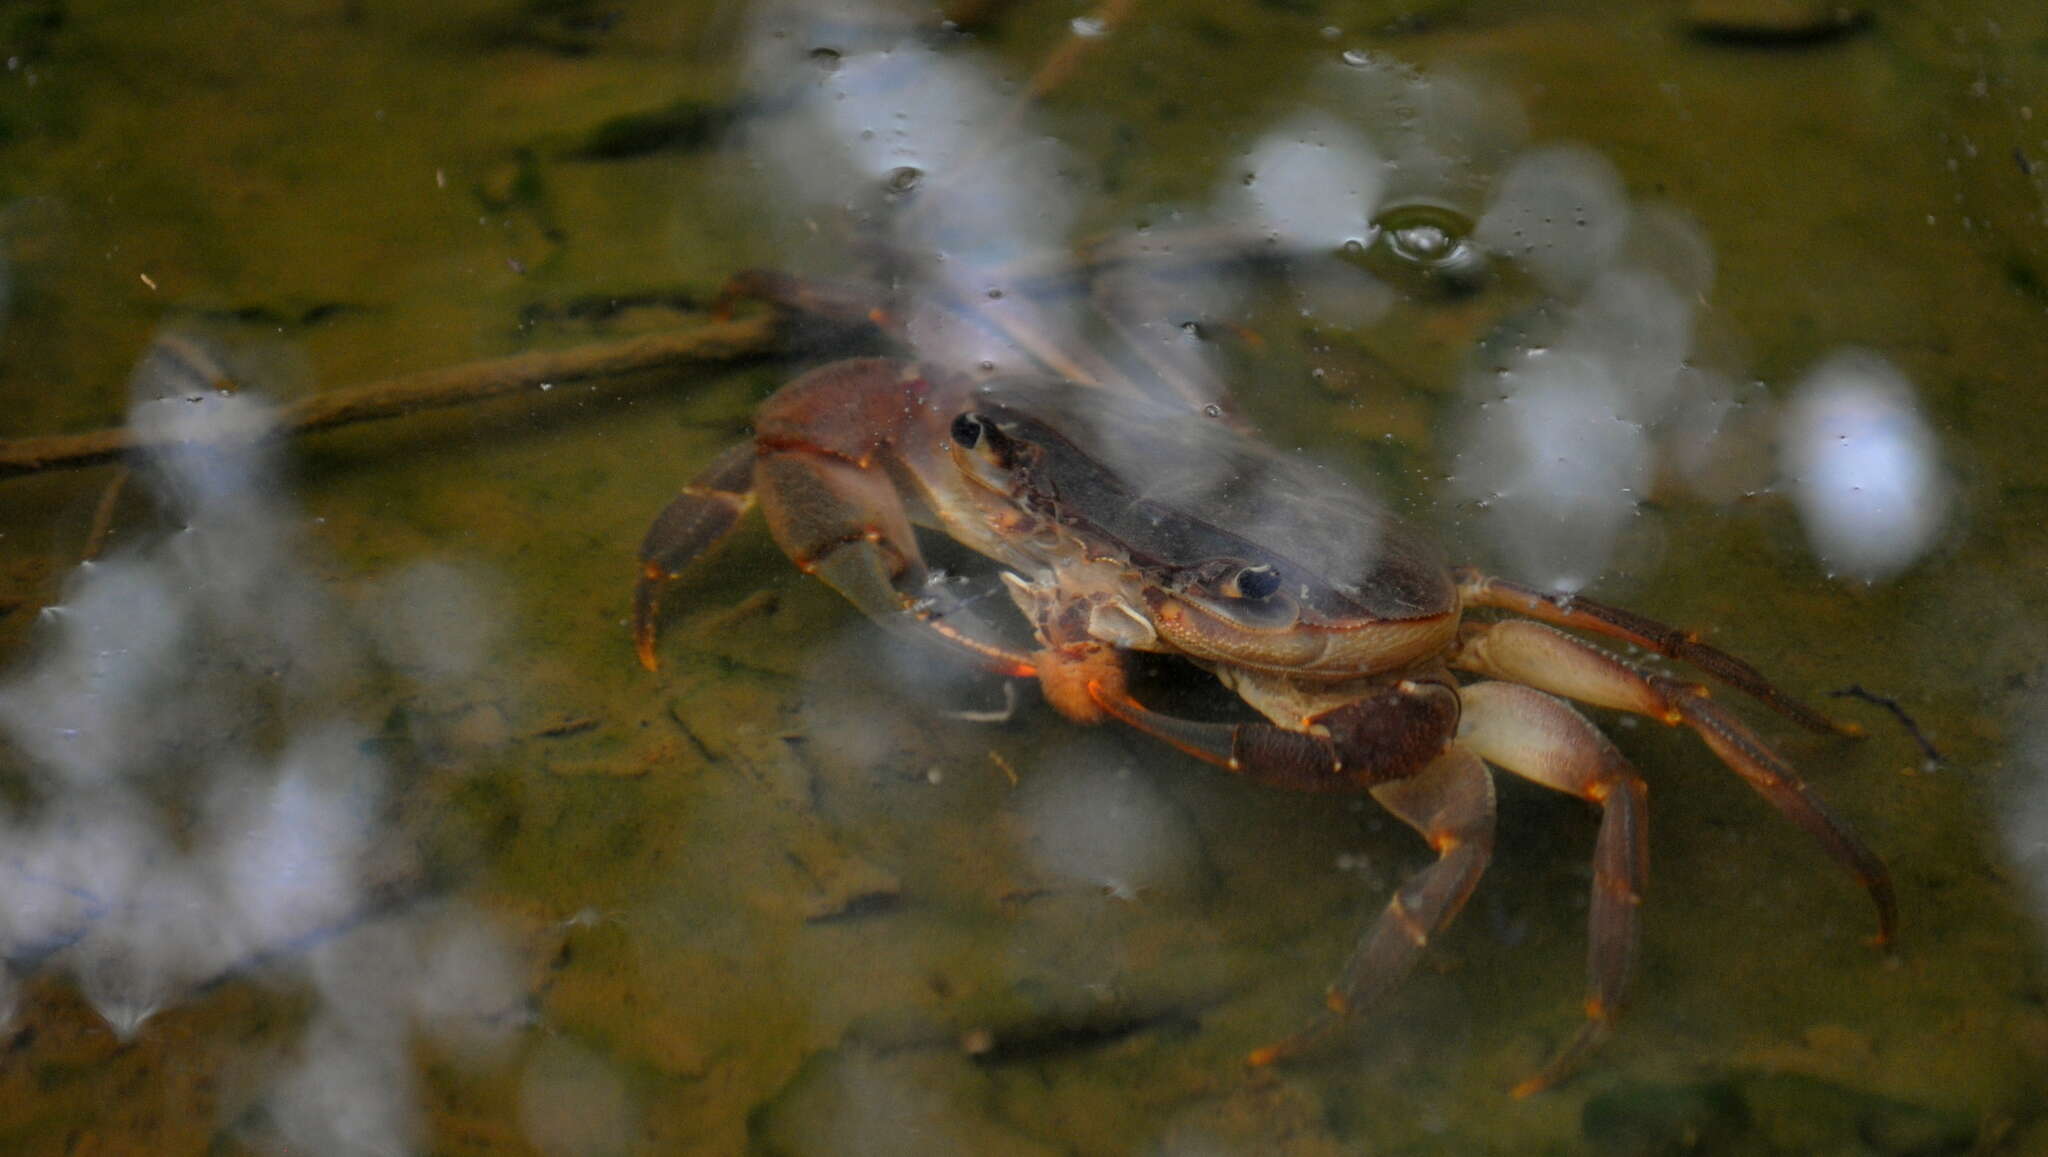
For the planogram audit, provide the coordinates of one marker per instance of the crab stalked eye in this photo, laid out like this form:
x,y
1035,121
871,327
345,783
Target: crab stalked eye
x,y
976,432
967,430
1253,582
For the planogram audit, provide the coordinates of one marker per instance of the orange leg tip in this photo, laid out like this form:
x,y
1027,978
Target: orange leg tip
x,y
1262,1057
643,646
1530,1087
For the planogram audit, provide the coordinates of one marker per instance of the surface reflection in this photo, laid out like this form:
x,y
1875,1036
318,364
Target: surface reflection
x,y
203,804
935,161
1560,446
1313,181
1864,466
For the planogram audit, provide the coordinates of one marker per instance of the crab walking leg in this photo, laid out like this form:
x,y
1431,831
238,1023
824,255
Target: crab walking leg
x,y
1481,590
693,525
1541,739
1451,803
1529,653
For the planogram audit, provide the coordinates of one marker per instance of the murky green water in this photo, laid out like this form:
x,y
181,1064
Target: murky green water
x,y
518,895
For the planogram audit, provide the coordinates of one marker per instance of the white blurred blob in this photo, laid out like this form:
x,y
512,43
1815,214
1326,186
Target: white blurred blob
x,y
1560,443
212,458
1378,175
1157,306
88,846
204,801
1005,333
434,620
571,1104
1311,182
348,1093
1442,135
900,120
469,990
1088,819
1863,466
445,969
937,159
285,845
153,668
152,949
1561,212
1639,329
1312,185
118,635
1559,464
349,1089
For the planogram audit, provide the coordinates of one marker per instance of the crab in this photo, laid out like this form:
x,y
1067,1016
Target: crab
x,y
1124,525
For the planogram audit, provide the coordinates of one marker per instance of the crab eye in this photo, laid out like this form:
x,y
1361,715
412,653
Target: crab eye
x,y
1253,582
972,431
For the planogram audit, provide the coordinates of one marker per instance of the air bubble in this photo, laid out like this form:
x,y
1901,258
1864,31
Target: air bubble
x,y
1422,243
902,179
1434,241
1425,234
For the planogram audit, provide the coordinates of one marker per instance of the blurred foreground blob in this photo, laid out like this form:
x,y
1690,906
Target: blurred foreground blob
x,y
1863,466
1559,443
201,794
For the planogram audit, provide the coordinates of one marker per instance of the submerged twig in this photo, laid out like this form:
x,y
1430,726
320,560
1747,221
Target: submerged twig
x,y
1003,765
1088,32
103,515
1927,748
713,342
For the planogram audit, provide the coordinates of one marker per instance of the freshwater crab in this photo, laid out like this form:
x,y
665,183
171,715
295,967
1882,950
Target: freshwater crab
x,y
1123,525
